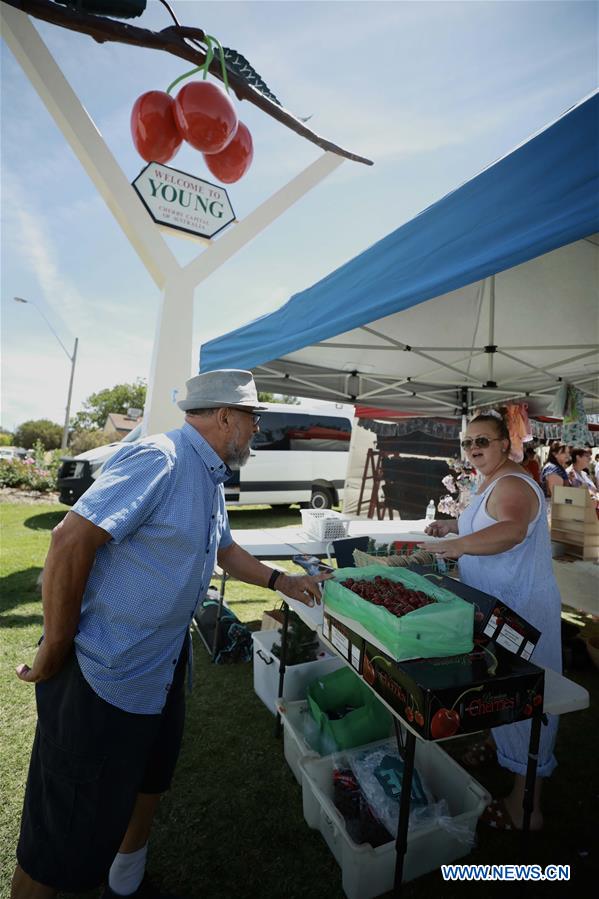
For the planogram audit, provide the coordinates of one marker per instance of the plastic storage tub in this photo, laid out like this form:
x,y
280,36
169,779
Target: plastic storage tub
x,y
295,746
368,872
297,677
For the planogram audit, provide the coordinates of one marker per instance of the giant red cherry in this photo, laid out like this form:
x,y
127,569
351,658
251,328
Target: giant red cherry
x,y
205,116
153,127
369,673
233,162
444,723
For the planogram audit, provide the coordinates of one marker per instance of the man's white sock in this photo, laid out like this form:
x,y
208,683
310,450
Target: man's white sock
x,y
127,871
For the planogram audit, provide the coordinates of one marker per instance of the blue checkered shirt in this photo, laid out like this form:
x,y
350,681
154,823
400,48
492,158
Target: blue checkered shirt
x,y
163,503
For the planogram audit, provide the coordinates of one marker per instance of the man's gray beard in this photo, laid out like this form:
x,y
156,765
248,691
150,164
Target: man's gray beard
x,y
237,457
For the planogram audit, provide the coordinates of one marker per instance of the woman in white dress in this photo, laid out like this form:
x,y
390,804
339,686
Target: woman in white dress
x,y
505,550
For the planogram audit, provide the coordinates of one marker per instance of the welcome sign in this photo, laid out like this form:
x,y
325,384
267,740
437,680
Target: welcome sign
x,y
179,201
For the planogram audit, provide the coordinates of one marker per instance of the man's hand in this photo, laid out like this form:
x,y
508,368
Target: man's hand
x,y
68,564
302,587
48,662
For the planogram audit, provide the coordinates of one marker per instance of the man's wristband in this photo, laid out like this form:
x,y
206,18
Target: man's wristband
x,y
273,579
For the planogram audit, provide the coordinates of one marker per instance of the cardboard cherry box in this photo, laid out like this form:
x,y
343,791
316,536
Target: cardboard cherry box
x,y
493,618
445,697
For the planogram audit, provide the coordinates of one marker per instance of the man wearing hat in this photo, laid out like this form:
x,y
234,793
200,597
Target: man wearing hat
x,y
125,571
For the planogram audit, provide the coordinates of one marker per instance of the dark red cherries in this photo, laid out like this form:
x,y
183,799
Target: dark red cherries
x,y
395,597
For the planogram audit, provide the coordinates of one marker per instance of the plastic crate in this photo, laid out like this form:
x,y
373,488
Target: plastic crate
x,y
295,745
324,524
368,872
297,677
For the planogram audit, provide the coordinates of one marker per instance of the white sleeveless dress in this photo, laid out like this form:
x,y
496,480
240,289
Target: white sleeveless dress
x,y
523,578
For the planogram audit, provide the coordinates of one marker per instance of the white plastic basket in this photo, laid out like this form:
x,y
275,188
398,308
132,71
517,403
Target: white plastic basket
x,y
368,872
324,524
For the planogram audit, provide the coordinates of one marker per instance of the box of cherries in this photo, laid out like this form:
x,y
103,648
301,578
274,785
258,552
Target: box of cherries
x,y
445,697
442,698
402,612
493,619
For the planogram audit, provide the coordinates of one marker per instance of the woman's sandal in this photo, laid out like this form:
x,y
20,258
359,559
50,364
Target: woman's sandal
x,y
478,755
497,816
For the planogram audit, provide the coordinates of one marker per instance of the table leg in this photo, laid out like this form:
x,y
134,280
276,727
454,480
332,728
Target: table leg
x,y
282,661
219,613
531,775
401,843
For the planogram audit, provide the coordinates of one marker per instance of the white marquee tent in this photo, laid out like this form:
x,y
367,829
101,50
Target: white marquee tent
x,y
490,294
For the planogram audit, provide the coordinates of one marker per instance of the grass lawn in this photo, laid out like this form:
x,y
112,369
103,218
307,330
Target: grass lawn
x,y
233,821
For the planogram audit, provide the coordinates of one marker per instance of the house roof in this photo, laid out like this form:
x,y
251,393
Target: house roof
x,y
116,421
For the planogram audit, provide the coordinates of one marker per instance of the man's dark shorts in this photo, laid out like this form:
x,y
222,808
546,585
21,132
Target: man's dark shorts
x,y
88,763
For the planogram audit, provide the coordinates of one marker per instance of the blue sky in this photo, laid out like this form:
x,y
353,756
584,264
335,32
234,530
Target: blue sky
x,y
431,91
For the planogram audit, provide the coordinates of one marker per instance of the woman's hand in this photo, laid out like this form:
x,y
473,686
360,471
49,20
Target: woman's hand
x,y
441,528
447,549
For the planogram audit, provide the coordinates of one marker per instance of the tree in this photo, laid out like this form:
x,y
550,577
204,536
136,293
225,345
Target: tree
x,y
82,441
48,432
98,406
6,438
277,398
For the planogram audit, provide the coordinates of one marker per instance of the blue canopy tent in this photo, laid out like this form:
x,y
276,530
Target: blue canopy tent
x,y
490,294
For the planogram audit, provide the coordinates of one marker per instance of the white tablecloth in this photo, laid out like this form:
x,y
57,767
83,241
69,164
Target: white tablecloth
x,y
284,543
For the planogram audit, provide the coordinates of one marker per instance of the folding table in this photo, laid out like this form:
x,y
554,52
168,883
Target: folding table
x,y
561,696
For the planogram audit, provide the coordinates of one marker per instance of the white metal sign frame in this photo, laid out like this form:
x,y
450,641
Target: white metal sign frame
x,y
172,361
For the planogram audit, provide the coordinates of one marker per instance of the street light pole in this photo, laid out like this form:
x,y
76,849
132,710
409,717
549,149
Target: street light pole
x,y
65,432
72,359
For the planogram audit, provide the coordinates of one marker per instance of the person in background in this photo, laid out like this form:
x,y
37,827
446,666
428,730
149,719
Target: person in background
x,y
577,473
125,572
504,549
554,472
530,463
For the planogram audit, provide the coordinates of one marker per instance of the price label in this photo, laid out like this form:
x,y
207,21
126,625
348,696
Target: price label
x,y
340,642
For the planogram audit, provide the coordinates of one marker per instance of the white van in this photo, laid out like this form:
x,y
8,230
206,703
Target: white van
x,y
299,455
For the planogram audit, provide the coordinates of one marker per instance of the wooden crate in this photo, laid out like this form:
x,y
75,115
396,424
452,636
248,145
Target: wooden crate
x,y
574,521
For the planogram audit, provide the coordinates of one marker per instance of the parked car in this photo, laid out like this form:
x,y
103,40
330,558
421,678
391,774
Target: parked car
x,y
77,473
12,453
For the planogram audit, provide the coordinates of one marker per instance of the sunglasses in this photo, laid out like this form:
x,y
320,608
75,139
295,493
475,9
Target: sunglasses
x,y
480,442
256,416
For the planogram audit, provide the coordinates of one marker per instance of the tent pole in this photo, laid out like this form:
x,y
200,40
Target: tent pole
x,y
464,404
491,328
